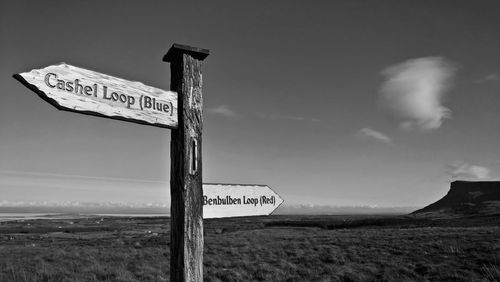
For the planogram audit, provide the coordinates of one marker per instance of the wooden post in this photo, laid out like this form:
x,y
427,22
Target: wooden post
x,y
186,208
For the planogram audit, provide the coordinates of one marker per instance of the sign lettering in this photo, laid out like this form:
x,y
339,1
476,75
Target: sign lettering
x,y
230,200
75,89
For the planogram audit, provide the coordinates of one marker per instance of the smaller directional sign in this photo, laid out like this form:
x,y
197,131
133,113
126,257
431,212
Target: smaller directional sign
x,y
84,91
231,200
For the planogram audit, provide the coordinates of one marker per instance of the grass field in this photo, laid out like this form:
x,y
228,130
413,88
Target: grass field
x,y
276,248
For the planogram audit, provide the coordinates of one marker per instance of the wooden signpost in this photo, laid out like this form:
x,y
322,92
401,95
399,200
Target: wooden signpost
x,y
231,200
83,91
186,207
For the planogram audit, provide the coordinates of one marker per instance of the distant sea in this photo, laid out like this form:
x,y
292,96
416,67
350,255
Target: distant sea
x,y
23,216
68,212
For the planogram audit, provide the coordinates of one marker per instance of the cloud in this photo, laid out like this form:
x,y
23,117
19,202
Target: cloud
x,y
465,171
413,91
26,174
374,135
6,203
223,110
492,76
489,77
287,117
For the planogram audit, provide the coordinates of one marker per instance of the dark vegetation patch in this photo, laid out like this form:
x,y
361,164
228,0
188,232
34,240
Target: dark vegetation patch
x,y
381,221
276,248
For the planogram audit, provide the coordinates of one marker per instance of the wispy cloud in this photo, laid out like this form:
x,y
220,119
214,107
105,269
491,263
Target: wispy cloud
x,y
465,171
72,176
489,78
372,134
223,110
287,117
414,89
6,203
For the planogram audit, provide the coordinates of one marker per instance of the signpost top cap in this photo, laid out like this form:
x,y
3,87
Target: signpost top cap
x,y
178,49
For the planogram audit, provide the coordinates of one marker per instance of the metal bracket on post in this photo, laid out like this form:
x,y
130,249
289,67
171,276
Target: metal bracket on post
x,y
193,168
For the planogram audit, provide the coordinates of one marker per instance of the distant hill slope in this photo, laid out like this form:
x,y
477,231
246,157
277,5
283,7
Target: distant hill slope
x,y
466,198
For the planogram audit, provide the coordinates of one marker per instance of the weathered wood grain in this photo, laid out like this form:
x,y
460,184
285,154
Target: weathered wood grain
x,y
186,209
133,101
231,200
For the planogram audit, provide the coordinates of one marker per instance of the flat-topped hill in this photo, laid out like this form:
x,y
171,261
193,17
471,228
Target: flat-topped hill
x,y
466,198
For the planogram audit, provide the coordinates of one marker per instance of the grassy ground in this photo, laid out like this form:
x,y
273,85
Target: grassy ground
x,y
254,249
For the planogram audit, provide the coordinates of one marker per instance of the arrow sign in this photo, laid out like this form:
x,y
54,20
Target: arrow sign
x,y
84,91
231,200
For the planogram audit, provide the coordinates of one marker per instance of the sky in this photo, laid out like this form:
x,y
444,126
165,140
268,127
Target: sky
x,y
346,103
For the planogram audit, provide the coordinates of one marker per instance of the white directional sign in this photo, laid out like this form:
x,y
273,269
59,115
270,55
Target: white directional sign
x,y
231,200
79,90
